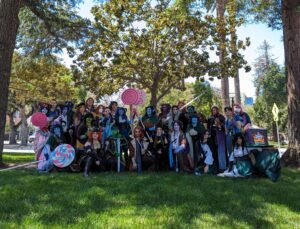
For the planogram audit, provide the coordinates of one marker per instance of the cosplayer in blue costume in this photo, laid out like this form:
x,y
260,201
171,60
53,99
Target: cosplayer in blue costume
x,y
107,124
194,130
150,121
233,125
123,125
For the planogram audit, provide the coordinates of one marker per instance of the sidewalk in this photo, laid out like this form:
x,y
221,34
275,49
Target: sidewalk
x,y
17,148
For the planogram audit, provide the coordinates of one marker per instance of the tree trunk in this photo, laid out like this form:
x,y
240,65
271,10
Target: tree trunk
x,y
291,34
274,132
154,91
9,23
24,131
13,130
237,90
224,77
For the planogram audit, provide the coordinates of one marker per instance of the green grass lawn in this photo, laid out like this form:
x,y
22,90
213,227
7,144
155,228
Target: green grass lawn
x,y
150,200
17,157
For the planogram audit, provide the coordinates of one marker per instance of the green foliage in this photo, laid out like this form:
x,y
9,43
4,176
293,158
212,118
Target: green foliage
x,y
268,12
50,26
273,86
35,80
208,97
154,45
148,200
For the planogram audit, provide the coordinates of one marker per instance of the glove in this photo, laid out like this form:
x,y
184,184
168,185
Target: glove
x,y
193,132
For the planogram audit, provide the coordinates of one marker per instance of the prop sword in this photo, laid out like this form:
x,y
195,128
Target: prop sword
x,y
197,97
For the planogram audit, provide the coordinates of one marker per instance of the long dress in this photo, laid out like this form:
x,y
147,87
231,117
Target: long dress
x,y
218,140
41,151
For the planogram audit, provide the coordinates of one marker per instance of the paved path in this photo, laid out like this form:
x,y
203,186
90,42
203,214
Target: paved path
x,y
17,148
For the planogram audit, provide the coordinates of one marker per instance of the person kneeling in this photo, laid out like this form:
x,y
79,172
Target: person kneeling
x,y
92,158
240,160
206,159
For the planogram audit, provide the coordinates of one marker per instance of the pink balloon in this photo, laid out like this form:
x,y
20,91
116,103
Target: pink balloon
x,y
39,119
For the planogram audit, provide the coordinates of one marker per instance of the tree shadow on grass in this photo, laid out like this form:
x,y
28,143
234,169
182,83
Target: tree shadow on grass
x,y
183,200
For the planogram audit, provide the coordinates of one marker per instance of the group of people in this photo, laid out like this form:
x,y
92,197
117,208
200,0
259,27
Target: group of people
x,y
177,138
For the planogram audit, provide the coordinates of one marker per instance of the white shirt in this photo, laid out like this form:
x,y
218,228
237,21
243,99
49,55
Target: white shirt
x,y
238,152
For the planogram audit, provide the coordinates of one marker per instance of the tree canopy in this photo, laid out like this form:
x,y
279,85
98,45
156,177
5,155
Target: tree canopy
x,y
152,44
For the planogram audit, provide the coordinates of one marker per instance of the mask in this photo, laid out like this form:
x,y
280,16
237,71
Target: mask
x,y
237,110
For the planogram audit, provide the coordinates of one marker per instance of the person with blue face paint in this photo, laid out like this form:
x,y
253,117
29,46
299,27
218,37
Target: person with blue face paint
x,y
150,121
194,130
55,139
123,124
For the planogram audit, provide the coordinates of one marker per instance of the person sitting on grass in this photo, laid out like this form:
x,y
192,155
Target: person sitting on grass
x,y
240,161
206,157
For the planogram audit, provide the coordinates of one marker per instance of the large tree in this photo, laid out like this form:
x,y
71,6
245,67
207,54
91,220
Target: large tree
x,y
291,35
286,14
154,45
45,26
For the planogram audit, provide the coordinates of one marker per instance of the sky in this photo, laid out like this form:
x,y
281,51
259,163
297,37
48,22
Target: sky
x,y
257,33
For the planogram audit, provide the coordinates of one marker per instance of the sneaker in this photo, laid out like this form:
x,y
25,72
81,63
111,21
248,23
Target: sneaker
x,y
197,174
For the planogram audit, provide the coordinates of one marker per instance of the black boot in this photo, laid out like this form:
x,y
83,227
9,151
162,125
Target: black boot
x,y
87,166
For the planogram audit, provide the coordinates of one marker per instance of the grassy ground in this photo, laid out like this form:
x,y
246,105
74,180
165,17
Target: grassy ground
x,y
17,157
150,200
